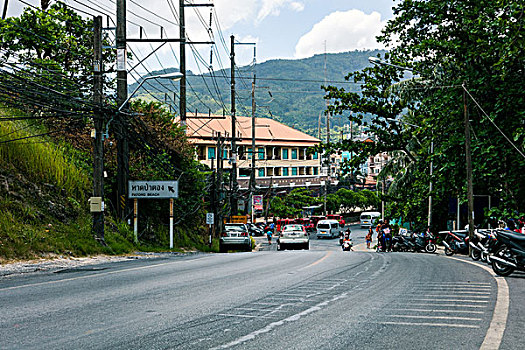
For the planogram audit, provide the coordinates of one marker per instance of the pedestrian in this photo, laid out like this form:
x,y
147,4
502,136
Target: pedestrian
x,y
269,235
369,238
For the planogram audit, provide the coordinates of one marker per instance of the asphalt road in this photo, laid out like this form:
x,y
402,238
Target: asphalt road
x,y
323,298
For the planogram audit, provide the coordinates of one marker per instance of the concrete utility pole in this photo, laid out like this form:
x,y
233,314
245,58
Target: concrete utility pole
x,y
234,189
182,60
4,13
252,173
429,222
468,156
122,125
98,142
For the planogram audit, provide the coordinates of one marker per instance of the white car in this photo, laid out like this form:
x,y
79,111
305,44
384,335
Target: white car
x,y
235,236
293,236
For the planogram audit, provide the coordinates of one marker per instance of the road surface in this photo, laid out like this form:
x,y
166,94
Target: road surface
x,y
323,298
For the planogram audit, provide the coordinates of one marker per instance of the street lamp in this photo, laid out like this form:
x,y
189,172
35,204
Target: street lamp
x,y
173,76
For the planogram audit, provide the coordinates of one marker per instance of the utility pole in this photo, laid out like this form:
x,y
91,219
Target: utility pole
x,y
182,59
220,165
122,128
233,197
4,13
468,156
430,185
252,173
98,143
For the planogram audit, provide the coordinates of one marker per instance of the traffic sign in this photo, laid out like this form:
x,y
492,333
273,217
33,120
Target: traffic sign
x,y
209,218
153,189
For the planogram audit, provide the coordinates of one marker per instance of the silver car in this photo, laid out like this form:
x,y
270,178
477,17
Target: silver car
x,y
235,236
293,236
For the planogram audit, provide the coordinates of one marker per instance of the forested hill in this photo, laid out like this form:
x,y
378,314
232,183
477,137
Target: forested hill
x,y
287,90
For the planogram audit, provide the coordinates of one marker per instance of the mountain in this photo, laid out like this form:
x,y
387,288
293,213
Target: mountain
x,y
287,90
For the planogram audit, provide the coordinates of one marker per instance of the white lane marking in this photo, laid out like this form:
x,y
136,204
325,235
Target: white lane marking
x,y
485,296
99,274
501,310
430,324
457,292
275,324
243,316
433,310
474,284
448,305
453,300
437,317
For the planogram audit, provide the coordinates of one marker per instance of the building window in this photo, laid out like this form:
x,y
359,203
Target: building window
x,y
261,152
315,155
294,170
261,172
316,171
249,153
285,172
224,154
211,152
285,153
294,153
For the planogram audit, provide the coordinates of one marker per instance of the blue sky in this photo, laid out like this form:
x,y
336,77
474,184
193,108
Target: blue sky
x,y
280,28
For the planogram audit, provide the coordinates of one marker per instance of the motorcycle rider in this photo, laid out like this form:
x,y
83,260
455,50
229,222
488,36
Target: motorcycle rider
x,y
346,238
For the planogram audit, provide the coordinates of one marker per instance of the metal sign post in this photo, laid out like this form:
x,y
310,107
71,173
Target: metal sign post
x,y
156,190
135,219
210,218
171,223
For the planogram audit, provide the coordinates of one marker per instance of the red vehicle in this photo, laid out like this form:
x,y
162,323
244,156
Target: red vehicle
x,y
281,223
316,219
306,223
336,217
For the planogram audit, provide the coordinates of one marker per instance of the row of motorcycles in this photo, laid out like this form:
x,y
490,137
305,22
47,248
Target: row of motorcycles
x,y
501,248
408,241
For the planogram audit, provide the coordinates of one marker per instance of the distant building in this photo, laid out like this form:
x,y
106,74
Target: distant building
x,y
282,160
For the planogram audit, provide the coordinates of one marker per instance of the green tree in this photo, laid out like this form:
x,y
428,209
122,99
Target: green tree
x,y
448,44
56,42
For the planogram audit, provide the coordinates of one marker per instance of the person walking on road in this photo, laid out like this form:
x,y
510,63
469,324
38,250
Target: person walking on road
x,y
369,238
269,235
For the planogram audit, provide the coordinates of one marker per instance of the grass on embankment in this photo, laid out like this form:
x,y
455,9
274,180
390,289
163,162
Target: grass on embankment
x,y
43,190
44,212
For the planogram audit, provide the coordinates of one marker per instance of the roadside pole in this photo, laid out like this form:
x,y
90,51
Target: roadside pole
x,y
171,223
135,220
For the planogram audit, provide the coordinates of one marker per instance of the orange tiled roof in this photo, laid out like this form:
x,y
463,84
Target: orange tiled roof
x,y
267,131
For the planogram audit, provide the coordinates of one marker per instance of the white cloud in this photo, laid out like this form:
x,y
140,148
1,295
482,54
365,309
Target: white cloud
x,y
230,12
342,31
273,8
297,6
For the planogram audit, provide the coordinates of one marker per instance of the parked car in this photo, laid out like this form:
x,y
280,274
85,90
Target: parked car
x,y
254,230
293,236
235,236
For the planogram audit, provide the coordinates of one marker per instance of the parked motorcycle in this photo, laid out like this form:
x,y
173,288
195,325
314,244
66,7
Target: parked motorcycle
x,y
510,255
456,242
479,245
400,243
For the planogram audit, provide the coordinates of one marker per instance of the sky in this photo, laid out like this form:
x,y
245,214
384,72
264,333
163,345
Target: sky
x,y
280,29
